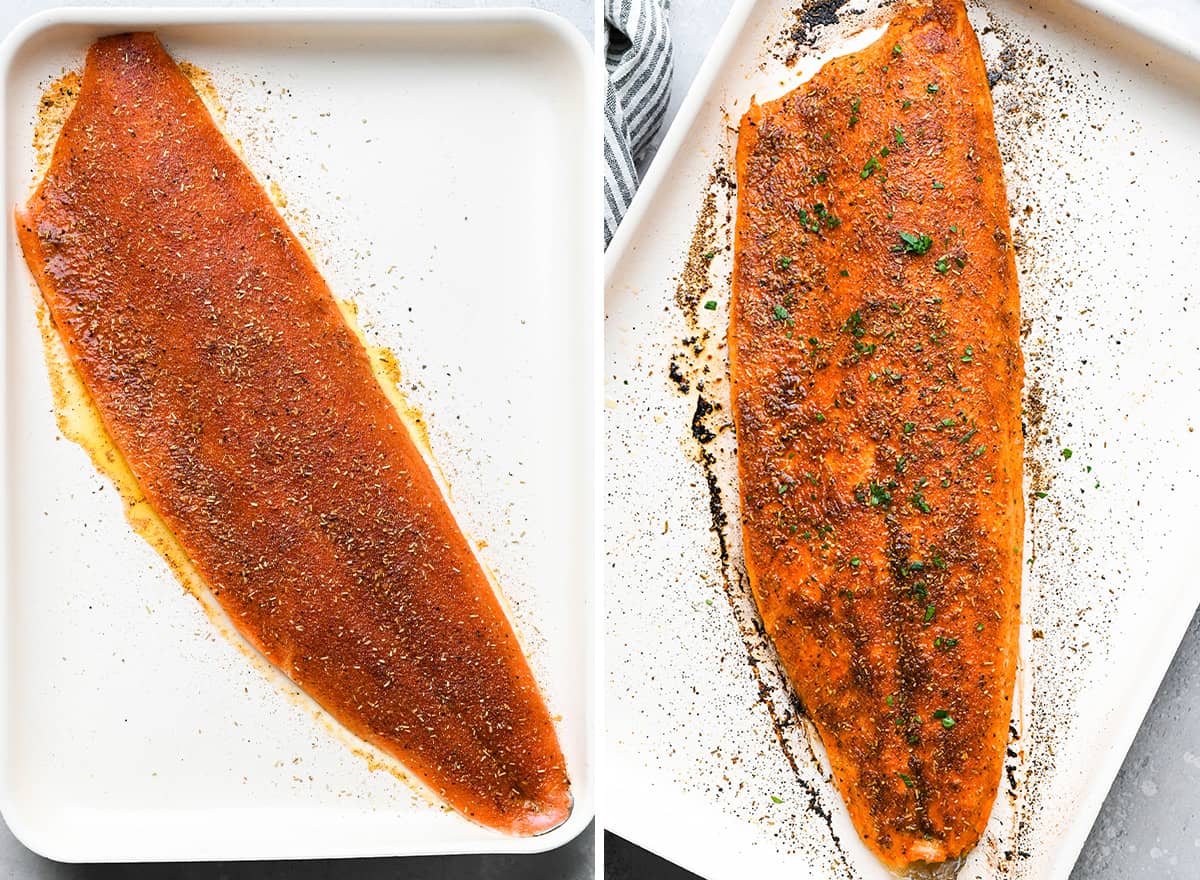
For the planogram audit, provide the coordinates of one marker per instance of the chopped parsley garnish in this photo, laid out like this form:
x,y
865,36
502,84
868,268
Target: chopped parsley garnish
x,y
896,50
908,783
879,495
711,305
854,105
777,800
781,314
943,715
710,255
919,502
855,562
978,452
854,325
1066,454
968,355
912,243
899,137
884,152
937,185
906,105
870,168
825,217
820,417
932,88
930,610
909,427
1040,494
942,266
784,262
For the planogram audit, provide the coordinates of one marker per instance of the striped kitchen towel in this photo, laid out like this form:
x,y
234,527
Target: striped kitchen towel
x,y
638,58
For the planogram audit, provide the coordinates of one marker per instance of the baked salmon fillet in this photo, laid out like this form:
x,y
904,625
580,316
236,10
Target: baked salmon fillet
x,y
876,374
248,412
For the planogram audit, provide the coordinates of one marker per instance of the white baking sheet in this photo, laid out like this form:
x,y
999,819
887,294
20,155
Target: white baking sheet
x,y
433,161
1099,128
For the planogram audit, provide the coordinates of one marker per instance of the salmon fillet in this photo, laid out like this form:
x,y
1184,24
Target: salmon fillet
x,y
248,412
877,376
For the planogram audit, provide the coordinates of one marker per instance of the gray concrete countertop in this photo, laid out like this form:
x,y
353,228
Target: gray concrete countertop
x,y
1150,823
574,861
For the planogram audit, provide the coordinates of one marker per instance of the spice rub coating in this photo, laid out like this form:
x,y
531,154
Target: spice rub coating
x,y
248,412
877,373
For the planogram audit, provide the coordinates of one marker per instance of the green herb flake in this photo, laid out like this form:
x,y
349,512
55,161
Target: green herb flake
x,y
710,255
820,417
884,152
855,562
784,262
711,305
914,243
930,610
978,452
932,88
919,502
1066,454
968,355
781,314
906,105
899,137
938,185
909,427
776,800
942,266
896,50
844,273
878,495
908,783
870,168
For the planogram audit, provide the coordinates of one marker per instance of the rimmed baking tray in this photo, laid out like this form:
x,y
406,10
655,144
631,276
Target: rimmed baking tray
x,y
1097,124
432,161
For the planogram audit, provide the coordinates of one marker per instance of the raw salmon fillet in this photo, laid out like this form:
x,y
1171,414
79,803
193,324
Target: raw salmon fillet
x,y
247,410
877,378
